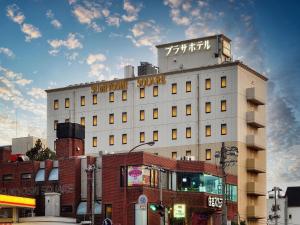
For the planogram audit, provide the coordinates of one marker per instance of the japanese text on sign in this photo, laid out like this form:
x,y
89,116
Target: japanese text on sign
x,y
188,47
215,202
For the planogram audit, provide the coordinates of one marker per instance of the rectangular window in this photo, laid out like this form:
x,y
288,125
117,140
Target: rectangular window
x,y
26,176
124,95
111,118
111,139
174,88
174,111
188,132
155,113
82,121
155,91
111,97
124,117
56,104
95,99
142,137
124,139
223,106
188,153
208,154
82,100
142,92
223,129
207,107
223,82
174,134
67,120
55,124
207,130
54,145
207,84
142,115
67,103
188,110
94,141
7,177
188,86
94,120
155,135
108,211
174,155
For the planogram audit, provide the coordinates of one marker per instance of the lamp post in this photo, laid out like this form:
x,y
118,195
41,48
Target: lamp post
x,y
150,143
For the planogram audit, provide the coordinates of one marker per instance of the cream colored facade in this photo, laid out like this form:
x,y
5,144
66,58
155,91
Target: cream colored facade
x,y
225,99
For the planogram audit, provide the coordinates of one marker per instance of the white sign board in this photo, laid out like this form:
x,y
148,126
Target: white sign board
x,y
188,47
214,202
179,211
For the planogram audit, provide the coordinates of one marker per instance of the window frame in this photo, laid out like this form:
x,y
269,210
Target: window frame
x,y
124,137
188,86
111,140
188,132
155,113
224,129
155,135
155,91
95,120
142,136
82,100
94,142
124,115
111,118
188,107
223,82
82,119
174,89
67,103
95,99
56,104
55,122
207,128
124,95
207,84
142,92
208,150
207,107
174,134
142,115
174,111
223,103
111,96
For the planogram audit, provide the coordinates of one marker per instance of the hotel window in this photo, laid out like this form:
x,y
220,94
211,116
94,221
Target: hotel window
x,y
207,130
174,111
208,154
94,141
82,100
124,117
174,88
188,86
67,103
55,124
142,92
94,120
55,104
155,113
155,91
188,132
142,115
94,99
188,110
111,118
142,137
207,107
7,177
188,153
223,82
124,95
174,155
82,121
111,139
67,120
223,106
174,134
124,139
111,96
223,129
207,84
155,135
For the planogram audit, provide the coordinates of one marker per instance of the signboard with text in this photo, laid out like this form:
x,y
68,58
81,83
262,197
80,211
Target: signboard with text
x,y
214,202
179,211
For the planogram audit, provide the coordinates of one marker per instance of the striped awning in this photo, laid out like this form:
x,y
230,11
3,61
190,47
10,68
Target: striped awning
x,y
16,201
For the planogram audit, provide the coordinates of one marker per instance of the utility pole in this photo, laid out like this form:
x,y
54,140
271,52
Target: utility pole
x,y
226,161
91,170
275,207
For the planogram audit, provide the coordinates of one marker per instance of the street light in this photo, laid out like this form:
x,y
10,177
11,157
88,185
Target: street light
x,y
150,143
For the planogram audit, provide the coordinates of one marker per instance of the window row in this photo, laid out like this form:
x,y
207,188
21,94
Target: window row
x,y
189,153
111,97
223,106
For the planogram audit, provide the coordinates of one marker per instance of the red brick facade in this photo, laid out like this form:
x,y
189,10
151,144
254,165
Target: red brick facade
x,y
67,147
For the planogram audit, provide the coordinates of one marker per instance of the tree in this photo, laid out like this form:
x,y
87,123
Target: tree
x,y
38,153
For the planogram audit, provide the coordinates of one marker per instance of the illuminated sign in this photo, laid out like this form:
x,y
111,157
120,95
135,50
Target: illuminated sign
x,y
179,211
109,86
9,200
226,48
138,175
153,80
215,202
188,47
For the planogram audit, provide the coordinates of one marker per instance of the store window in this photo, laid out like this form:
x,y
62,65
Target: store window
x,y
231,192
174,88
94,99
67,103
56,104
155,91
82,100
111,96
142,92
188,86
174,111
124,95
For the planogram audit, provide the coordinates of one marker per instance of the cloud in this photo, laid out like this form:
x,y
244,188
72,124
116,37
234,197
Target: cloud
x,y
173,3
105,12
31,32
72,56
14,13
179,20
131,10
86,15
6,51
71,43
11,75
54,22
113,21
146,33
37,93
92,58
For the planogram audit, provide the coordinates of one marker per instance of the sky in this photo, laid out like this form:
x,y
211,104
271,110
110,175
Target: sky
x,y
53,43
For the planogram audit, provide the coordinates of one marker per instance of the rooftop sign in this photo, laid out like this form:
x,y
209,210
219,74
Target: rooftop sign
x,y
109,86
189,47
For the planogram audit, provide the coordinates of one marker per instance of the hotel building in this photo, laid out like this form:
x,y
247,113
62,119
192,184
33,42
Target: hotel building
x,y
198,99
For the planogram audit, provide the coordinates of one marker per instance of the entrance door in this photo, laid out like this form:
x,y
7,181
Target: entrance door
x,y
199,219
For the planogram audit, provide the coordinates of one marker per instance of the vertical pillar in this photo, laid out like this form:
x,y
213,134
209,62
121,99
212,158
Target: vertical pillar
x,y
15,215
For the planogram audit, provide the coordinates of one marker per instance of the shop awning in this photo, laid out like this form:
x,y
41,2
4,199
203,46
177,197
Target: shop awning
x,y
53,174
15,201
82,208
40,175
